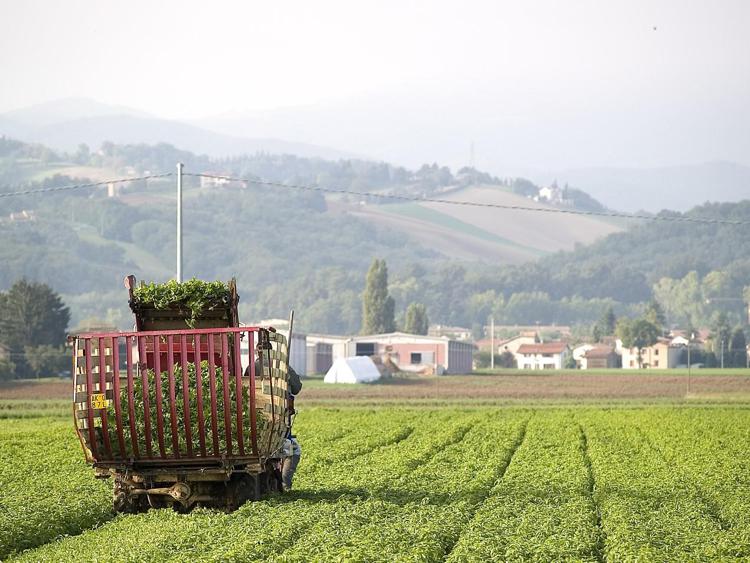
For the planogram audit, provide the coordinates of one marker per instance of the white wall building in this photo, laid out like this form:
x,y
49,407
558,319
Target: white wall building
x,y
548,355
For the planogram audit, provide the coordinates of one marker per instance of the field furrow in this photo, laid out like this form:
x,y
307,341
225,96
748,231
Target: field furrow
x,y
646,504
419,484
540,510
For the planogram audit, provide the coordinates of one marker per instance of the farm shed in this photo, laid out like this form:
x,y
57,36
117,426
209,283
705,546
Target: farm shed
x,y
412,352
339,345
599,357
319,357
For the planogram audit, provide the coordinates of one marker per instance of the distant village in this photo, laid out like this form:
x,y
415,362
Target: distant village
x,y
451,350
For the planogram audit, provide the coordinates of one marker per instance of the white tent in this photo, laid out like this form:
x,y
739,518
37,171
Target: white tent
x,y
359,369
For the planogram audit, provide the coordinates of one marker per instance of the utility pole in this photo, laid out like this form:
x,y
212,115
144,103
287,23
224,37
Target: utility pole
x,y
690,339
722,353
179,221
492,342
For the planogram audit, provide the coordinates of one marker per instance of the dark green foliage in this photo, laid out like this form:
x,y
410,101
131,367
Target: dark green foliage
x,y
608,322
46,360
655,314
721,333
180,409
377,306
637,333
194,295
7,369
31,315
737,349
416,320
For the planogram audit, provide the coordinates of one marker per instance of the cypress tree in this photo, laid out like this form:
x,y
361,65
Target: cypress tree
x,y
378,308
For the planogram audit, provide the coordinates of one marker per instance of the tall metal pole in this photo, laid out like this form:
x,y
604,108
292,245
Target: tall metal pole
x,y
179,221
492,342
688,383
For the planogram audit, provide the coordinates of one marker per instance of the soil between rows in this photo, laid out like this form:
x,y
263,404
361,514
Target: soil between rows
x,y
484,388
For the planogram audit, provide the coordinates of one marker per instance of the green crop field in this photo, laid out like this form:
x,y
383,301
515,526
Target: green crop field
x,y
419,484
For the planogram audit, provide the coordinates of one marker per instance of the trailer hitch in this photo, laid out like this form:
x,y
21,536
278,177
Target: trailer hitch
x,y
179,491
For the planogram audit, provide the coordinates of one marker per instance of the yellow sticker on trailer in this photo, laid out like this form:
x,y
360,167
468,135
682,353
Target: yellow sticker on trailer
x,y
99,401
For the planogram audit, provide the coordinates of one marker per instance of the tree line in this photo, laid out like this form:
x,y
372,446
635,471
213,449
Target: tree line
x,y
33,324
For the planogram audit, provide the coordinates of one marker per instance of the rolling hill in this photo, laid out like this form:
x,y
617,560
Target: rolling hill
x,y
487,234
64,124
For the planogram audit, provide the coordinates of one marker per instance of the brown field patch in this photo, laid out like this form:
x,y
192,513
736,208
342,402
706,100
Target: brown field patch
x,y
566,387
525,387
36,389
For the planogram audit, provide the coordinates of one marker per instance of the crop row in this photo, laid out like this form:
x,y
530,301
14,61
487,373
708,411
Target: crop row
x,y
46,490
426,485
649,510
421,514
264,529
712,456
542,507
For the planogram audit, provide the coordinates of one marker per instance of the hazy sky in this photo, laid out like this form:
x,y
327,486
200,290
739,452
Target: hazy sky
x,y
597,63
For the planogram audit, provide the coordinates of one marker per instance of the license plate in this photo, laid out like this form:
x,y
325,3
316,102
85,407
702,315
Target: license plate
x,y
99,401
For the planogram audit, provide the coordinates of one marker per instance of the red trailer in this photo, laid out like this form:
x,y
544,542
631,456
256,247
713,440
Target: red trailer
x,y
172,417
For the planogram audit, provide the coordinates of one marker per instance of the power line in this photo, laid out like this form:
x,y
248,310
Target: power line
x,y
303,187
89,185
610,214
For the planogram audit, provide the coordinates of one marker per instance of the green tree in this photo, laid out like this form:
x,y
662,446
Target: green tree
x,y
638,333
378,308
506,360
7,370
416,321
31,314
721,333
597,333
608,322
46,360
738,349
655,315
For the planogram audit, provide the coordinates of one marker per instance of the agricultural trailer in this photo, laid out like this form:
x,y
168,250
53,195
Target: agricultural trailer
x,y
171,415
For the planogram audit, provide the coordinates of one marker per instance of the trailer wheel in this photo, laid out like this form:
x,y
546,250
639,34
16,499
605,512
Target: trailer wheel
x,y
124,501
128,504
241,488
157,501
271,480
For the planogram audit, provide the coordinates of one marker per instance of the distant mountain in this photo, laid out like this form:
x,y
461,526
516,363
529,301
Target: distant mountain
x,y
12,129
64,124
653,189
67,109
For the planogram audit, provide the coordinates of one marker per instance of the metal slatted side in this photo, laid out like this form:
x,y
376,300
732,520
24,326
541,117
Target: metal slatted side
x,y
179,397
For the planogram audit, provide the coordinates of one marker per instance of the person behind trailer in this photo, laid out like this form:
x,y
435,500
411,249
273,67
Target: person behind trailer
x,y
291,450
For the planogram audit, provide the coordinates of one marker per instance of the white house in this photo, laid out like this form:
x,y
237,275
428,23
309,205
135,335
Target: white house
x,y
662,355
547,355
513,344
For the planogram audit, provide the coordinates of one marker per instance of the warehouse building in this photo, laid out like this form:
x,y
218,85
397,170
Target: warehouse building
x,y
419,354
